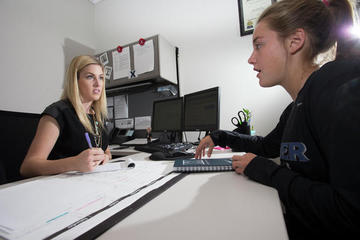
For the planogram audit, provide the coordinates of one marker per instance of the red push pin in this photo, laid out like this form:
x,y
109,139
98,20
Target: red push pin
x,y
119,49
142,41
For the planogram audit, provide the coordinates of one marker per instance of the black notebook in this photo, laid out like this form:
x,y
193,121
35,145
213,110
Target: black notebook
x,y
203,165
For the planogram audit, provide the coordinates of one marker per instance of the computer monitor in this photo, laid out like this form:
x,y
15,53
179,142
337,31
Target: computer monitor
x,y
201,110
167,115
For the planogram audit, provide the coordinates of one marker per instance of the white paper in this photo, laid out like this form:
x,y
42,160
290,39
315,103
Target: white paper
x,y
144,57
121,63
142,122
124,123
37,209
109,167
110,101
121,107
104,59
107,70
85,226
110,112
136,141
252,11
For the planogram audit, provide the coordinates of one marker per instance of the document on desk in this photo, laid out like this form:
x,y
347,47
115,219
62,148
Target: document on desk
x,y
65,206
109,167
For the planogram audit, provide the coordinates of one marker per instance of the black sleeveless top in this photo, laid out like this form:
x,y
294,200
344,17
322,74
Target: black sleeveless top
x,y
71,140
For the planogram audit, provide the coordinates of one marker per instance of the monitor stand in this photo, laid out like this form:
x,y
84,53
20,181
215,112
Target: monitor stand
x,y
170,137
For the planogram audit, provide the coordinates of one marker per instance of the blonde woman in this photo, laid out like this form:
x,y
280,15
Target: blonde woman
x,y
317,137
60,144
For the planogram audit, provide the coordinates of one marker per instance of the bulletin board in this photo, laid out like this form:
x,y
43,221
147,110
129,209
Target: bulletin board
x,y
139,106
139,81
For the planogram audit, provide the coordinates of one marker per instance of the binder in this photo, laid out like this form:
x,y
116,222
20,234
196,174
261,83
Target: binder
x,y
203,165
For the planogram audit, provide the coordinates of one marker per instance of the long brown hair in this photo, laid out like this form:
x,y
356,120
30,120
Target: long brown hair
x,y
72,93
322,21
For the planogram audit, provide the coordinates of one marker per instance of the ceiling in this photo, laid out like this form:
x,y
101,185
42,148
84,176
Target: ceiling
x,y
95,1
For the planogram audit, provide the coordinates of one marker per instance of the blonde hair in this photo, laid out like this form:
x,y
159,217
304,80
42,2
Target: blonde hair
x,y
71,92
323,23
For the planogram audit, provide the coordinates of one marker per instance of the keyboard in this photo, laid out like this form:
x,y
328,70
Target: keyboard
x,y
167,148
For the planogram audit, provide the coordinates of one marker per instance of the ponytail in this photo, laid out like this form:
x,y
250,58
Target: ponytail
x,y
344,18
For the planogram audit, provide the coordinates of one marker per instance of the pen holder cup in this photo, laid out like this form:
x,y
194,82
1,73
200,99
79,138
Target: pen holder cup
x,y
243,128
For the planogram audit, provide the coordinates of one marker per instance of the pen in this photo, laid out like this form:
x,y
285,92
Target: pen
x,y
89,142
88,139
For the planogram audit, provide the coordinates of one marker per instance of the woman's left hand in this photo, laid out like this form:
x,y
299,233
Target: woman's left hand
x,y
240,162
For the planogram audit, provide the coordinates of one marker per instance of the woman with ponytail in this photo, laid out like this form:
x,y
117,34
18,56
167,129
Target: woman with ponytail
x,y
317,137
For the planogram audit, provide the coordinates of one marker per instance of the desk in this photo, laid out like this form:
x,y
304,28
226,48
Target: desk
x,y
122,152
222,205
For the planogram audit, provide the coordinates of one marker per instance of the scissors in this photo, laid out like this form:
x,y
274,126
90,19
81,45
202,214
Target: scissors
x,y
238,121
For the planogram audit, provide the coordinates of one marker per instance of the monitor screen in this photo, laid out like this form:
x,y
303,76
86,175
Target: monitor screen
x,y
201,110
167,115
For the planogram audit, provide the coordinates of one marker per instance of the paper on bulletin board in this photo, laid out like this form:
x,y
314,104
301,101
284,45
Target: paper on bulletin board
x,y
110,111
110,101
107,70
144,57
124,123
121,63
121,106
142,122
104,59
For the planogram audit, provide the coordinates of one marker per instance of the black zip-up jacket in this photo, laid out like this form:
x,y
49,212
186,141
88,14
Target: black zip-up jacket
x,y
318,141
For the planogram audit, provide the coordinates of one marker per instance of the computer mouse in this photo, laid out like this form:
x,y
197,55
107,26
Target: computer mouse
x,y
158,156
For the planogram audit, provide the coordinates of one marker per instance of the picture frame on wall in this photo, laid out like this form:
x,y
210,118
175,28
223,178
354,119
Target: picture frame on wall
x,y
249,12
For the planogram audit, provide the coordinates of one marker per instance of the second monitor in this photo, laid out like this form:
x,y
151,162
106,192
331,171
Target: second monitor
x,y
201,110
198,111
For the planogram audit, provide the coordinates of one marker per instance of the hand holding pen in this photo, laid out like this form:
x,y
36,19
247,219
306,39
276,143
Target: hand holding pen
x,y
91,157
106,156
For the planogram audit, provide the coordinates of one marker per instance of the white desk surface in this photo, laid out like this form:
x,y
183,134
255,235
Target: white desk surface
x,y
221,205
122,152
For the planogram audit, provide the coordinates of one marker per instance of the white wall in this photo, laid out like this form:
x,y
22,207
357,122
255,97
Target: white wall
x,y
212,53
38,38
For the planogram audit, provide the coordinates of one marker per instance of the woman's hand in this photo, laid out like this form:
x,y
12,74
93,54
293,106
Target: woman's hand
x,y
106,159
240,162
204,143
108,156
89,159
